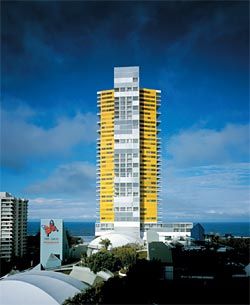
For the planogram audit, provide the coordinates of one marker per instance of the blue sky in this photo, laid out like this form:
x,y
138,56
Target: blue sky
x,y
57,55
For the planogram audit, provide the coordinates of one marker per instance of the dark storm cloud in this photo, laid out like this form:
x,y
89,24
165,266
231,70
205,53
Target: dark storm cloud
x,y
56,46
59,23
76,27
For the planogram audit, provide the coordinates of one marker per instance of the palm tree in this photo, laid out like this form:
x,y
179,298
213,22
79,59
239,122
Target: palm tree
x,y
105,243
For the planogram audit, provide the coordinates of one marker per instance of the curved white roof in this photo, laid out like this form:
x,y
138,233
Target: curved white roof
x,y
117,240
59,276
38,288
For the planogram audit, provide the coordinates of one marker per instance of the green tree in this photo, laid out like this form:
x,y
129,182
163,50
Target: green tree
x,y
103,260
84,259
91,295
105,243
139,287
127,255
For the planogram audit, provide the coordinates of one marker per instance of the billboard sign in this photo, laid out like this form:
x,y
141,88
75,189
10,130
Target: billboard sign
x,y
51,239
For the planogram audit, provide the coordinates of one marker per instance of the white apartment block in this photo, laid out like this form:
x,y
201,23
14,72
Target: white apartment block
x,y
13,226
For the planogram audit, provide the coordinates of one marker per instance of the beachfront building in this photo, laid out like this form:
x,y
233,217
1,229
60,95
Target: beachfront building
x,y
128,155
129,160
13,226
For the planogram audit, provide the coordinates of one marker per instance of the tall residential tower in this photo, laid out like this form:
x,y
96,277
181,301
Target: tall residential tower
x,y
128,155
13,226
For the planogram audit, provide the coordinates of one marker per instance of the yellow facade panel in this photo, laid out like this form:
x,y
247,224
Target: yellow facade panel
x,y
148,151
106,152
148,155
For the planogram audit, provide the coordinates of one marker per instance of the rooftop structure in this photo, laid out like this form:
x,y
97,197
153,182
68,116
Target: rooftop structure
x,y
39,288
87,276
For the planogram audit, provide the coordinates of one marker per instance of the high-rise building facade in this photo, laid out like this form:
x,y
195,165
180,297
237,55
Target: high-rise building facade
x,y
128,155
13,226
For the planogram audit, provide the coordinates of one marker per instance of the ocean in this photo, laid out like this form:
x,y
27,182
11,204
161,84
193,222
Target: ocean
x,y
87,229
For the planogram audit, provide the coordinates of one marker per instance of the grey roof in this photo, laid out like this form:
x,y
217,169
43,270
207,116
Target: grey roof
x,y
85,275
160,251
105,274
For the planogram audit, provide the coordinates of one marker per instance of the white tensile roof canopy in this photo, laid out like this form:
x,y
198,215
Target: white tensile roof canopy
x,y
117,240
39,288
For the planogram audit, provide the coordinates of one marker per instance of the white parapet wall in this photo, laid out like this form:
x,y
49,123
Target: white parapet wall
x,y
168,231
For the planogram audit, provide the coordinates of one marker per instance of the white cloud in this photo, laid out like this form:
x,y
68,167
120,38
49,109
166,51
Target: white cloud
x,y
79,208
213,193
207,176
68,192
73,178
22,139
196,147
